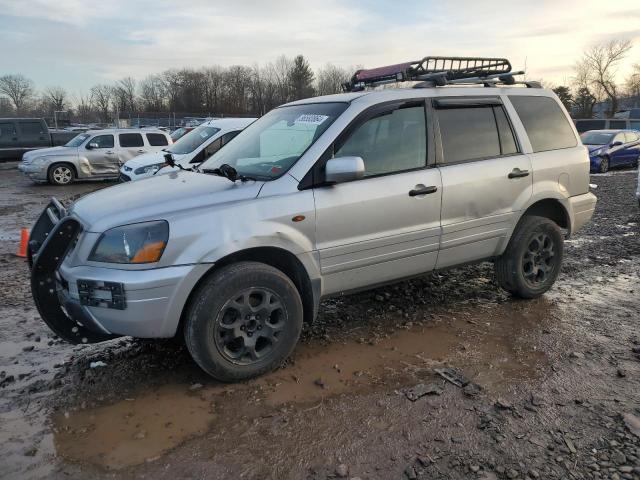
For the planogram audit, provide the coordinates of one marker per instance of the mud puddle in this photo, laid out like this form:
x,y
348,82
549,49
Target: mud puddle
x,y
494,347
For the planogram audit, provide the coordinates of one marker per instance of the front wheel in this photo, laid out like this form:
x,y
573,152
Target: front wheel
x,y
243,321
60,174
604,165
531,263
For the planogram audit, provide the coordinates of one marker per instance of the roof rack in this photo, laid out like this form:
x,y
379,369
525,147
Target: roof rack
x,y
439,71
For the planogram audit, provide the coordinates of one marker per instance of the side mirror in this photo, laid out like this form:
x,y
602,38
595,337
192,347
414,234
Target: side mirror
x,y
344,169
92,145
616,144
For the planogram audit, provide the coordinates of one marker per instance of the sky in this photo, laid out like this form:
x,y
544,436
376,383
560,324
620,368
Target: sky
x,y
76,44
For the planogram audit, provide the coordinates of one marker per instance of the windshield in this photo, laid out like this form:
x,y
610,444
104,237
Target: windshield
x,y
271,145
77,140
595,138
192,140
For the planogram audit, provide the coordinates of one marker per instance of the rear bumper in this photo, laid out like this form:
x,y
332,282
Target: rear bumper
x,y
582,208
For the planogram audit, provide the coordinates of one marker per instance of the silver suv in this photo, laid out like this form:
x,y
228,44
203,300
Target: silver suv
x,y
318,197
96,154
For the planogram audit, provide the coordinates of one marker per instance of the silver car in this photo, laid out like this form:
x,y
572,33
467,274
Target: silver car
x,y
319,197
96,154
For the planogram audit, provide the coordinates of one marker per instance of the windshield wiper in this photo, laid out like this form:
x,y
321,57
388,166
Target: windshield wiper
x,y
227,171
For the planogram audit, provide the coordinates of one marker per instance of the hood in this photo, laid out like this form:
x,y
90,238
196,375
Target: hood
x,y
50,152
158,198
591,148
147,159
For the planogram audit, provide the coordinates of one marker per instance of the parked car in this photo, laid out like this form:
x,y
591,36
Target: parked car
x,y
319,197
178,133
586,124
192,149
91,155
612,148
19,135
638,189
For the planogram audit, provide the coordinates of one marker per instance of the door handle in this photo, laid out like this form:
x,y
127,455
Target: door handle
x,y
517,173
423,191
141,151
109,153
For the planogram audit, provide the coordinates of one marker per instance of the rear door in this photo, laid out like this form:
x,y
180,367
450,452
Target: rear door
x,y
486,179
386,225
8,139
32,134
131,145
618,155
102,155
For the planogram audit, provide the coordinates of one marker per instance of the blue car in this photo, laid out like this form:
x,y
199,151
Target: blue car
x,y
612,148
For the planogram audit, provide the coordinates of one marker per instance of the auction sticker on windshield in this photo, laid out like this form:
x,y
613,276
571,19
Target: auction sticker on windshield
x,y
311,119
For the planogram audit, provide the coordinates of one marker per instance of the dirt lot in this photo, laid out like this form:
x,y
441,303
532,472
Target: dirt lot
x,y
554,386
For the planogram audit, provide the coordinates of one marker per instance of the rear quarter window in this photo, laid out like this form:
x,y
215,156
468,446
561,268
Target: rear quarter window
x,y
545,123
157,140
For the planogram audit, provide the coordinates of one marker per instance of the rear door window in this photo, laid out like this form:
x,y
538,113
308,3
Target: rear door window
x,y
128,140
157,139
471,133
631,136
545,123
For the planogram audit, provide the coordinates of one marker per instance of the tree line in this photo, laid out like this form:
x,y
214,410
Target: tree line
x,y
221,91
254,90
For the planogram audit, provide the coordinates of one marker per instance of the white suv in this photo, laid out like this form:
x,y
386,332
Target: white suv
x,y
321,197
188,151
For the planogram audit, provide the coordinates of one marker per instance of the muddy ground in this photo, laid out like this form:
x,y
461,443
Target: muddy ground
x,y
554,386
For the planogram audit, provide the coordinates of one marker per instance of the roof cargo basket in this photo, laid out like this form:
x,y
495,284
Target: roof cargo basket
x,y
437,71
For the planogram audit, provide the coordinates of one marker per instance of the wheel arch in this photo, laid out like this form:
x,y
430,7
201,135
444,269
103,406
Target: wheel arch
x,y
276,257
553,209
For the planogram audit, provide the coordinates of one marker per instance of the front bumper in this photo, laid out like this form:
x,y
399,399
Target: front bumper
x,y
594,163
89,304
34,172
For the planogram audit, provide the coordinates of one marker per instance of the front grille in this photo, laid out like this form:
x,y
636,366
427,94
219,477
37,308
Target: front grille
x,y
124,178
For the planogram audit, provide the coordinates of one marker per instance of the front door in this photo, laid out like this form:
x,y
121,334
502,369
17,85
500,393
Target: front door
x,y
101,153
385,226
485,178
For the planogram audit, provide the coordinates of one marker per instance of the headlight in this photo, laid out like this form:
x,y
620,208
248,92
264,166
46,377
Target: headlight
x,y
136,243
38,160
149,168
597,151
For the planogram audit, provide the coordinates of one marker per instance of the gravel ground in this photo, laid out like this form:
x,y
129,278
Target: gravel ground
x,y
551,387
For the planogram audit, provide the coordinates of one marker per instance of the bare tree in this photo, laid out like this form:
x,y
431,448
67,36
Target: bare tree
x,y
124,94
331,78
599,66
102,97
632,83
152,94
172,87
84,108
19,89
55,98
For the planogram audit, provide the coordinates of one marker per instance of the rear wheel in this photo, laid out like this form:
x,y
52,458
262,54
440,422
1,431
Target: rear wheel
x,y
243,321
531,263
604,165
61,174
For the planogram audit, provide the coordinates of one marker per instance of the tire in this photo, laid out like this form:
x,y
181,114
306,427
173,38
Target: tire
x,y
525,269
243,321
604,165
61,174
